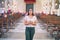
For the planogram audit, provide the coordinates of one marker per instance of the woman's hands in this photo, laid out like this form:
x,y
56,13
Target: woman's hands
x,y
33,23
30,22
26,23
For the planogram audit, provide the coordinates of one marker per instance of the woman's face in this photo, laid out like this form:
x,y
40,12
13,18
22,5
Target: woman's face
x,y
30,12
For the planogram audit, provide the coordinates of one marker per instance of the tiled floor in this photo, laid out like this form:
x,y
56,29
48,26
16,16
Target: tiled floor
x,y
19,32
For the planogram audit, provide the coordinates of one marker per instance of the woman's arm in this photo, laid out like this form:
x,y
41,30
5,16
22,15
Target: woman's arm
x,y
26,22
33,23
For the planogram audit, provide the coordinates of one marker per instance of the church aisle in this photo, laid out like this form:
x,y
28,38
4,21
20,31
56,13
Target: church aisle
x,y
19,32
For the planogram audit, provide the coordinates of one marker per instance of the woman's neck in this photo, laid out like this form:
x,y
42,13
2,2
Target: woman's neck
x,y
30,16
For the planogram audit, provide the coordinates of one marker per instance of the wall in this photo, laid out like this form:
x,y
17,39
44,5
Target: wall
x,y
42,5
39,6
19,5
46,6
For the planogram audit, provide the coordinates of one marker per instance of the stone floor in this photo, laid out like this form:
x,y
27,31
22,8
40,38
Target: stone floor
x,y
19,32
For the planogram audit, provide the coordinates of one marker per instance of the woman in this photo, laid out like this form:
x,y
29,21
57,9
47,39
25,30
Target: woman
x,y
30,21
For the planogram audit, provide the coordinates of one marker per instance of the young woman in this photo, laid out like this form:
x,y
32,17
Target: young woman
x,y
30,21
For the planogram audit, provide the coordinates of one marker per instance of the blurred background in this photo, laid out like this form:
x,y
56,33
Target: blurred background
x,y
12,13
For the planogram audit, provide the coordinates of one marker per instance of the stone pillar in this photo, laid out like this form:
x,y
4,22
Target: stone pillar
x,y
45,6
38,6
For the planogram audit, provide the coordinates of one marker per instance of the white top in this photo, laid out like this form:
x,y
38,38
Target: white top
x,y
27,18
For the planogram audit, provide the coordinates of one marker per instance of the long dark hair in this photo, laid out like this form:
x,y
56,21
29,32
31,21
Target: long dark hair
x,y
32,12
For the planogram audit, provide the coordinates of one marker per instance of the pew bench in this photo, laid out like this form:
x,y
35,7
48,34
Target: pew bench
x,y
3,25
52,21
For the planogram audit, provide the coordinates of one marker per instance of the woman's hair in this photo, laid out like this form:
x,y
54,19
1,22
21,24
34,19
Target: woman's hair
x,y
32,12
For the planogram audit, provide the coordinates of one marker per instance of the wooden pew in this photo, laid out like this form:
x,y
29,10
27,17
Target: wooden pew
x,y
16,16
3,25
57,37
10,19
5,22
52,21
44,18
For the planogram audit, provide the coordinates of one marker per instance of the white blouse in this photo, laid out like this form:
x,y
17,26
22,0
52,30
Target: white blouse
x,y
27,18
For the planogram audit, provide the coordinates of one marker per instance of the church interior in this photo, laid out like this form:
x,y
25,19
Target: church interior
x,y
12,13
